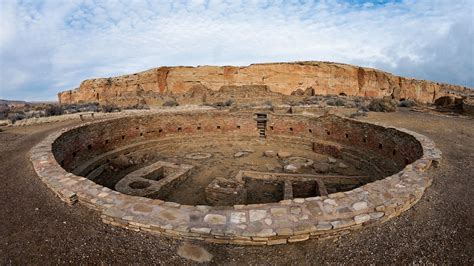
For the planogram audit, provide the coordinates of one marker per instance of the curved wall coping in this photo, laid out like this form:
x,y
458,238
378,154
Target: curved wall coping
x,y
282,222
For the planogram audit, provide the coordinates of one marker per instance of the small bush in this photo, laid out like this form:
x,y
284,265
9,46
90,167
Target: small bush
x,y
16,116
109,108
81,107
228,102
339,102
359,113
363,108
220,105
335,102
360,104
383,105
312,100
217,104
170,103
89,107
4,110
53,109
137,107
407,103
35,114
331,102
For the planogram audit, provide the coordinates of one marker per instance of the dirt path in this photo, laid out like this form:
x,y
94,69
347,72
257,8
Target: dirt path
x,y
36,227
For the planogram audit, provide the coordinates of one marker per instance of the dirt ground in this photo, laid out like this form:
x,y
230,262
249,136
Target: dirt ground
x,y
224,164
37,228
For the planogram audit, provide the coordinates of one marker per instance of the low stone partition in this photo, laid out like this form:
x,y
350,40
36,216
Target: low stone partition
x,y
300,185
226,192
155,180
287,221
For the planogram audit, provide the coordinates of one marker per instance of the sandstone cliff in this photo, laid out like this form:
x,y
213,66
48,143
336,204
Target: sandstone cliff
x,y
155,85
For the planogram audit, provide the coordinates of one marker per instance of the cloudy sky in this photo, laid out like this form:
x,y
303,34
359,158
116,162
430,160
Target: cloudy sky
x,y
52,45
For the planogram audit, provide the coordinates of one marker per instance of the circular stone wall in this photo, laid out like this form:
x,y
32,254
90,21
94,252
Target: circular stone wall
x,y
395,158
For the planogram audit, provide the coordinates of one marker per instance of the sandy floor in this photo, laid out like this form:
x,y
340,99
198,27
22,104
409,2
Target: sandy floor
x,y
36,227
222,163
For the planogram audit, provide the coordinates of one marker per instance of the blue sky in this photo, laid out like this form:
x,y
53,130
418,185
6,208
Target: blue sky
x,y
51,45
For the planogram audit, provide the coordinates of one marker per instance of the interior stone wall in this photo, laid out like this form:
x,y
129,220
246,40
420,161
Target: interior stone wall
x,y
387,149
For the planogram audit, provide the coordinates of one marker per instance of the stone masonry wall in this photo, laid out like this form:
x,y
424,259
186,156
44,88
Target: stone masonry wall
x,y
287,221
152,86
387,149
83,143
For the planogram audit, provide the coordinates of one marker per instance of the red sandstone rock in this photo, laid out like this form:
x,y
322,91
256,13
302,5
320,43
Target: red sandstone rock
x,y
154,85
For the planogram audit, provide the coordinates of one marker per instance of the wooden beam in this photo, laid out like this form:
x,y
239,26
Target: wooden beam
x,y
288,190
321,187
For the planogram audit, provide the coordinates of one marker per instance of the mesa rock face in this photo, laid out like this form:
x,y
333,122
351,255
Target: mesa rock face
x,y
273,80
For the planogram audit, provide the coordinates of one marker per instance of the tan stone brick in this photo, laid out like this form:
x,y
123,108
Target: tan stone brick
x,y
298,238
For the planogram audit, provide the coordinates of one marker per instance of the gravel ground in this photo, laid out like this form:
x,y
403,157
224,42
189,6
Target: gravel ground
x,y
37,228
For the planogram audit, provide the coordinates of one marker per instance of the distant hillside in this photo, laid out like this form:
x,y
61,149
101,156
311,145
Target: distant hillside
x,y
11,102
23,103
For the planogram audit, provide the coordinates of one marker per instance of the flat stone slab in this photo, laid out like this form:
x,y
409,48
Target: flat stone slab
x,y
269,153
194,253
284,154
215,219
198,156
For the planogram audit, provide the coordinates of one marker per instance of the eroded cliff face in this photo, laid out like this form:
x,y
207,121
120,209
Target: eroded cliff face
x,y
156,85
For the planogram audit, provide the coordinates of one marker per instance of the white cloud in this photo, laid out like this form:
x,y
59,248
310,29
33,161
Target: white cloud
x,y
56,44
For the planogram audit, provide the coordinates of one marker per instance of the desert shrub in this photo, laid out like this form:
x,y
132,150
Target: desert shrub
x,y
53,109
339,102
312,100
228,102
81,107
268,103
360,103
363,108
170,103
217,104
16,116
331,102
137,107
71,109
109,108
4,110
89,107
335,102
383,105
35,114
298,92
359,113
407,103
